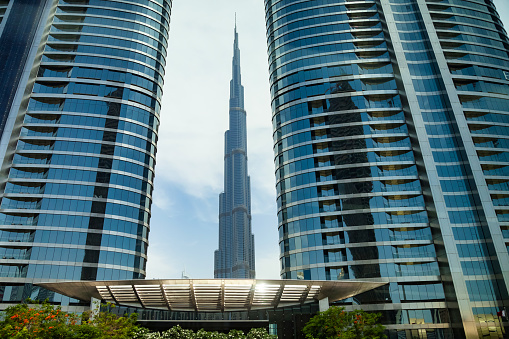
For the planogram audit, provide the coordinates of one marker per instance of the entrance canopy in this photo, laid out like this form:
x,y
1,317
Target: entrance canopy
x,y
210,295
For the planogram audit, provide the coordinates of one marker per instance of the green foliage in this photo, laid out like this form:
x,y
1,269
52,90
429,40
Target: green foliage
x,y
178,332
337,323
44,321
87,332
112,326
34,320
259,333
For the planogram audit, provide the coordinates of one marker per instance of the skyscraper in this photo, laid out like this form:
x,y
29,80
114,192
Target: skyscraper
x,y
391,150
235,256
79,104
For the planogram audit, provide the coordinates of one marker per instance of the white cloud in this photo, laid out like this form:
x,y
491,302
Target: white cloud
x,y
160,264
266,266
195,103
194,117
161,198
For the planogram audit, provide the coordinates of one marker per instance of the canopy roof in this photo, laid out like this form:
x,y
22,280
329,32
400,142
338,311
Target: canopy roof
x,y
211,295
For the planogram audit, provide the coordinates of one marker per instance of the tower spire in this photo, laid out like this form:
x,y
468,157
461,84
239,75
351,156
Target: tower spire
x,y
235,256
236,88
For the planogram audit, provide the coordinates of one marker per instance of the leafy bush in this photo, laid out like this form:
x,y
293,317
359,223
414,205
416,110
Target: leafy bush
x,y
178,332
112,326
45,321
33,320
336,323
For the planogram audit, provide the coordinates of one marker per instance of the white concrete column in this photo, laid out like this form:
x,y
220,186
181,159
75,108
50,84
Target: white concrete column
x,y
95,307
323,304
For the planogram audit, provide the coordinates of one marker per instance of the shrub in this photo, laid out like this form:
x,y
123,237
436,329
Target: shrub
x,y
178,332
45,321
34,320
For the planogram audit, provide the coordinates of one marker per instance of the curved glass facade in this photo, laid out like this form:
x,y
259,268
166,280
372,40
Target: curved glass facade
x,y
390,144
79,166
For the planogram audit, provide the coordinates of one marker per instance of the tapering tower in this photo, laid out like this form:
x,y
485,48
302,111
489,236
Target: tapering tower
x,y
235,256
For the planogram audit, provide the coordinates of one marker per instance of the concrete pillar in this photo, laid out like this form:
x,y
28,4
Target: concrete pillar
x,y
323,304
95,307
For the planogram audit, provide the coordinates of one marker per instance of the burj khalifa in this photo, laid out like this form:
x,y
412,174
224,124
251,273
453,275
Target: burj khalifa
x,y
235,256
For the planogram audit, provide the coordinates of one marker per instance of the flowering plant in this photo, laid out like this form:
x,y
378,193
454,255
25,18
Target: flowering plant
x,y
178,332
43,320
36,321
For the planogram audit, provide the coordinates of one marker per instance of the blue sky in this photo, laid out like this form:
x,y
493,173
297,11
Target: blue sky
x,y
194,117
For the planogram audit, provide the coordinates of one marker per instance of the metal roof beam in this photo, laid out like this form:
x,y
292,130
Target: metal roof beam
x,y
305,294
193,300
276,300
137,295
250,297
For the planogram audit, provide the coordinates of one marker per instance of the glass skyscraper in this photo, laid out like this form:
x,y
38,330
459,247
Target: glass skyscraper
x,y
391,141
235,256
79,107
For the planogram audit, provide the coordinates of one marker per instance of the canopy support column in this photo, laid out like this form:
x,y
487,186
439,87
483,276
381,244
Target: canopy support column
x,y
323,304
95,307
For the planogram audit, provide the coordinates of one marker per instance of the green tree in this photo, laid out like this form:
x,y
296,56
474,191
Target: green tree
x,y
110,325
337,323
